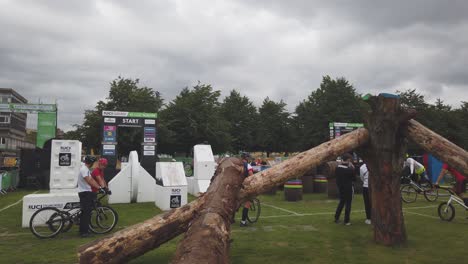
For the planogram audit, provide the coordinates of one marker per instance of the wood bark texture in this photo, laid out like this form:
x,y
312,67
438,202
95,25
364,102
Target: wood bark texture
x,y
384,158
438,146
138,239
207,239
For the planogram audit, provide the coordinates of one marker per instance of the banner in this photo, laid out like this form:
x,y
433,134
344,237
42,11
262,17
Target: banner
x,y
46,128
129,114
28,108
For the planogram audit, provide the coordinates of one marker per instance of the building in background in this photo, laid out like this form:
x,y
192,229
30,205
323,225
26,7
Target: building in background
x,y
12,125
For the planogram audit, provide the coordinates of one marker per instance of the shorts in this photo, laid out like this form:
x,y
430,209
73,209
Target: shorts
x,y
460,186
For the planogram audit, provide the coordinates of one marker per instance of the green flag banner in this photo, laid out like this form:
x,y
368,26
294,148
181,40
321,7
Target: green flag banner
x,y
46,127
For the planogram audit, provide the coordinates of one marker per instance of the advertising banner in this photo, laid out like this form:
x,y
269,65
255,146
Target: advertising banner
x,y
108,150
129,114
46,127
28,108
110,134
338,129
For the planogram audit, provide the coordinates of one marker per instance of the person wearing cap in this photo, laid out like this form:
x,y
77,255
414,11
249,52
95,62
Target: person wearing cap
x,y
248,171
85,183
98,175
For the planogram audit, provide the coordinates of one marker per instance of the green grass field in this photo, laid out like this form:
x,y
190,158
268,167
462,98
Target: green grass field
x,y
287,232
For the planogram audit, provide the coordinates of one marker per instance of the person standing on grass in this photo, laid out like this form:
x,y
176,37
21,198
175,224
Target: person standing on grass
x,y
98,175
344,173
248,171
364,174
85,182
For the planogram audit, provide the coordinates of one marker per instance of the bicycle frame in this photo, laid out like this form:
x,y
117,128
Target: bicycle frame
x,y
454,197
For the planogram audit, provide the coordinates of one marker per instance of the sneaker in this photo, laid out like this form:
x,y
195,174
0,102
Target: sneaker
x,y
243,224
85,235
337,221
348,224
368,221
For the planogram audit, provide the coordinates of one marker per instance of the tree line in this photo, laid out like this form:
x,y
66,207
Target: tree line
x,y
233,123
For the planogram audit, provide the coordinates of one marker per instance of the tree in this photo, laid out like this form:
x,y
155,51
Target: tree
x,y
335,101
242,116
124,95
194,117
274,127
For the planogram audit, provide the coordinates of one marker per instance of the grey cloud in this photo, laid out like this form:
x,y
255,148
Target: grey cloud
x,y
70,51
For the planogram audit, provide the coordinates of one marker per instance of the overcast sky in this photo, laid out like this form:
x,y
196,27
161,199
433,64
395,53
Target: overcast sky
x,y
69,51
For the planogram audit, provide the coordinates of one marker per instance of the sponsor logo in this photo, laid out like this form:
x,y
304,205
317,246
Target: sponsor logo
x,y
64,159
108,147
175,201
40,206
148,153
149,139
149,147
150,122
73,205
65,149
176,191
114,113
109,120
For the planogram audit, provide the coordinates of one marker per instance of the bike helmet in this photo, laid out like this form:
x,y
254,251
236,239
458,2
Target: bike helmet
x,y
103,161
89,159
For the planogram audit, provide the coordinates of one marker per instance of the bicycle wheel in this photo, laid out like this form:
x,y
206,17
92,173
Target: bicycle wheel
x,y
408,194
254,211
103,220
431,195
446,212
46,222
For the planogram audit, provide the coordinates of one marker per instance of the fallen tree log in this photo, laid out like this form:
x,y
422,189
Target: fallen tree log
x,y
138,239
438,146
207,239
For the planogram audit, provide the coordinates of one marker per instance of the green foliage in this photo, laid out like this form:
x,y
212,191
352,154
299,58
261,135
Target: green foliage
x,y
197,115
241,116
439,117
194,117
124,95
335,101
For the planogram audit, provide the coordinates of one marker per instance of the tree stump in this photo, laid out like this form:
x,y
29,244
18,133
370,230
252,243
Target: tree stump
x,y
384,158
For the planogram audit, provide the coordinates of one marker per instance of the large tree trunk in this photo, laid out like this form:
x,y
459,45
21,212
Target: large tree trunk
x,y
384,158
438,146
207,239
138,239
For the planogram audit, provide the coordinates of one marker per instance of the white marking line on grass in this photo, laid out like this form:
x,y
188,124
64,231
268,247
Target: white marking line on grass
x,y
279,208
424,215
13,204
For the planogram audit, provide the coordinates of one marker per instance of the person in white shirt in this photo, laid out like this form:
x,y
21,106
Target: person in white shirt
x,y
364,174
85,181
416,168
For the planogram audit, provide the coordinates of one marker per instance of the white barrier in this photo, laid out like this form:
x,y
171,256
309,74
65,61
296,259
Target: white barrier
x,y
34,202
132,184
65,163
203,162
172,193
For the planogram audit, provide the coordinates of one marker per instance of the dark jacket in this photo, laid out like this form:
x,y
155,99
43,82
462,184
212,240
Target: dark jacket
x,y
345,176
